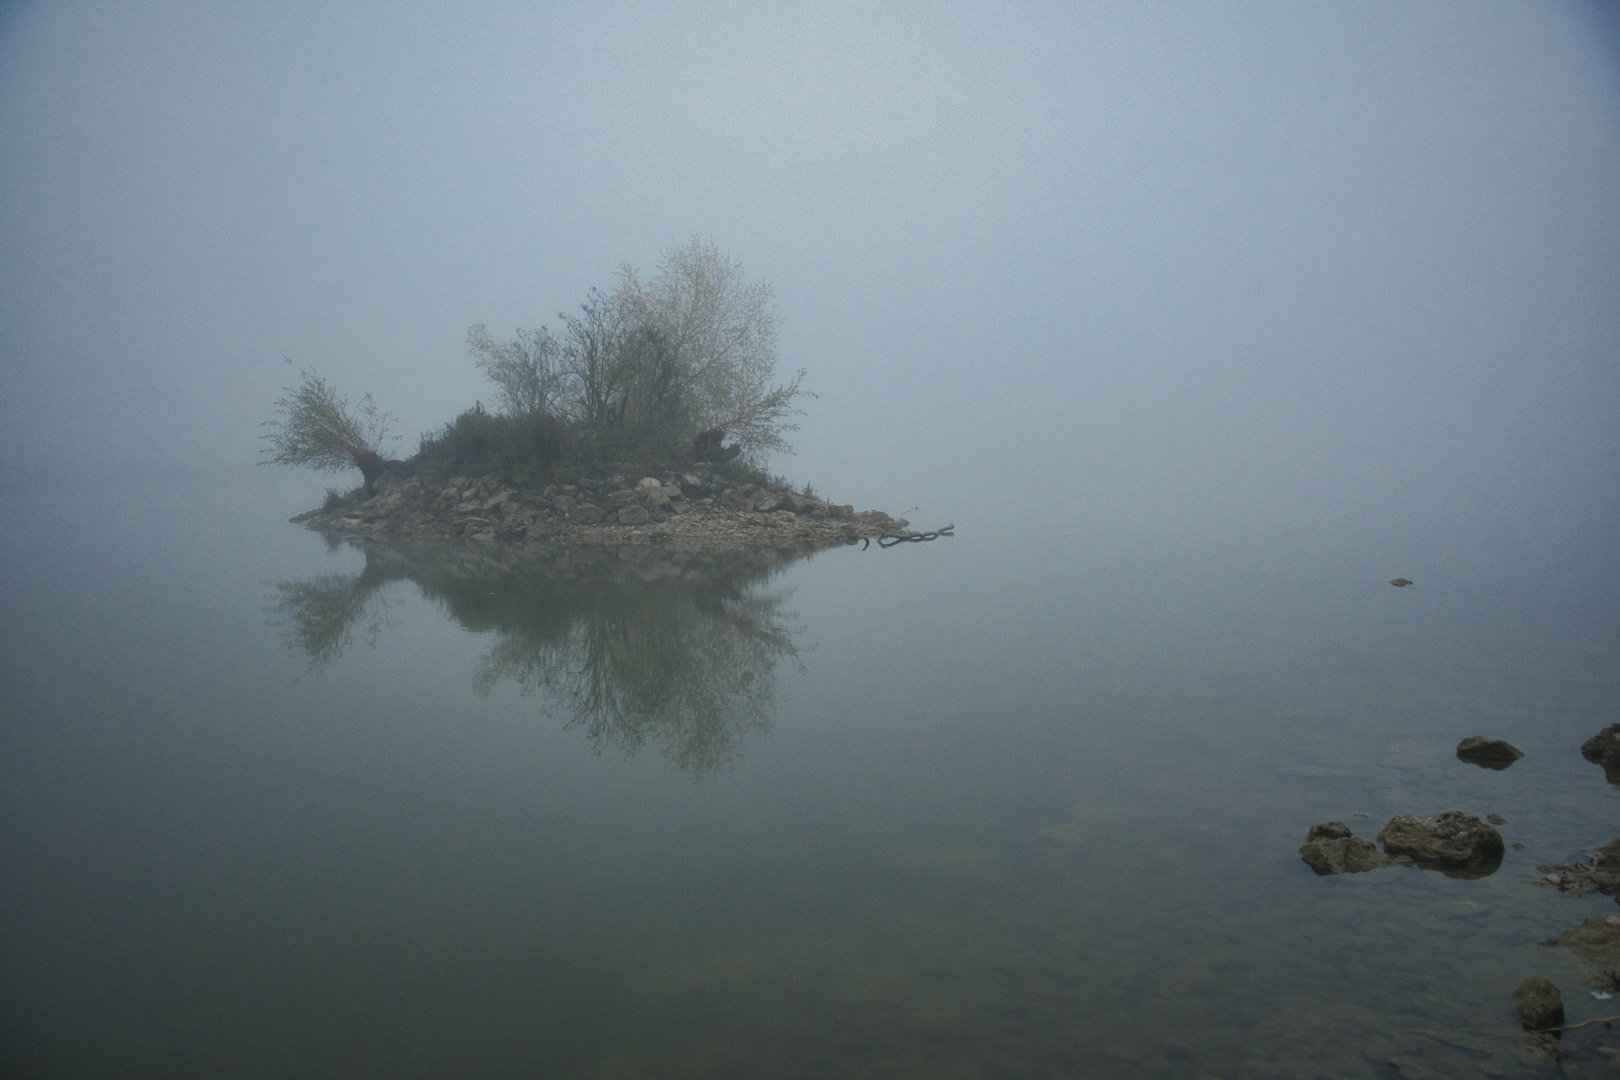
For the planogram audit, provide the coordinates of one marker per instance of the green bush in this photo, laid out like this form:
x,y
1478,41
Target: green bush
x,y
477,443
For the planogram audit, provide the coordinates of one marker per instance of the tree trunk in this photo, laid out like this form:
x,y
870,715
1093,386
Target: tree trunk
x,y
706,446
370,465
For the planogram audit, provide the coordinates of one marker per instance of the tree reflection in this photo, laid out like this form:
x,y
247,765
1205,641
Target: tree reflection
x,y
322,614
634,646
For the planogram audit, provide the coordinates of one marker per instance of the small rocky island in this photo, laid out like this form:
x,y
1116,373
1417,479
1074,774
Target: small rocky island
x,y
647,421
699,507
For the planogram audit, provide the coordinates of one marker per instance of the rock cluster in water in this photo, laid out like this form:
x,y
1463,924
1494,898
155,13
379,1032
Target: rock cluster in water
x,y
1455,843
1461,845
696,508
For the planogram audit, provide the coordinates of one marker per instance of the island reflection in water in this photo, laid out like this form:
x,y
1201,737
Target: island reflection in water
x,y
636,645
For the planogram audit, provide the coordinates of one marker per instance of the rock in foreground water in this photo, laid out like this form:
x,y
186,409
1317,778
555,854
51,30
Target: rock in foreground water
x,y
1540,1004
1488,753
1458,844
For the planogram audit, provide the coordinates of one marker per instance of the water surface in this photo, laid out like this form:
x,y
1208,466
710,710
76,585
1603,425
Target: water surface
x,y
1022,802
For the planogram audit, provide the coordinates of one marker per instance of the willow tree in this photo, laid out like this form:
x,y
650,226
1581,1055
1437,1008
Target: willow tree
x,y
318,427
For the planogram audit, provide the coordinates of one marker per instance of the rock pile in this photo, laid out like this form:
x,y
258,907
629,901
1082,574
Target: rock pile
x,y
698,508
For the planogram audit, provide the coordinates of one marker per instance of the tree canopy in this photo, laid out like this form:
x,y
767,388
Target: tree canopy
x,y
667,368
689,354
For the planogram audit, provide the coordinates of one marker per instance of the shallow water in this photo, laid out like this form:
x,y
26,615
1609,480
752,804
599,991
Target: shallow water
x,y
998,805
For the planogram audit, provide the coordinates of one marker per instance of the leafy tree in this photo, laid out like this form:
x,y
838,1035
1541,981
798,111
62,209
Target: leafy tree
x,y
722,329
317,427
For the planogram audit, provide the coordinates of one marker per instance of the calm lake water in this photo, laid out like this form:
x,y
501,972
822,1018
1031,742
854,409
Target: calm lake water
x,y
1017,803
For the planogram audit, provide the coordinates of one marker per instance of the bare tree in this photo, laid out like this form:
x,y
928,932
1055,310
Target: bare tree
x,y
317,427
529,369
593,359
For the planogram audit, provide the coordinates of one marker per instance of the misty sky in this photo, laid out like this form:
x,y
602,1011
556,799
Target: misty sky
x,y
1323,266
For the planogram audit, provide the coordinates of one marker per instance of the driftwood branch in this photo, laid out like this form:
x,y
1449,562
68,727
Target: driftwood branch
x,y
888,540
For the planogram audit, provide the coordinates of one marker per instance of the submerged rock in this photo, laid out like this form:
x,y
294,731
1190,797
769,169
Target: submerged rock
x,y
1604,749
1455,843
1597,939
1488,753
1330,849
1540,1004
1401,583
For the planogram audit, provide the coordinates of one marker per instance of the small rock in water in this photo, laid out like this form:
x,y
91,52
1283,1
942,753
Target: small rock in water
x,y
1603,995
1496,819
1488,753
1401,583
1540,1004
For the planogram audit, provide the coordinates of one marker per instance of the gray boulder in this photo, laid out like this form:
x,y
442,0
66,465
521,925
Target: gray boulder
x,y
1455,843
633,515
585,514
1488,753
1330,849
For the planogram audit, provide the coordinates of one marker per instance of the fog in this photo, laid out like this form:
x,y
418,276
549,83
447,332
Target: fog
x,y
1238,274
